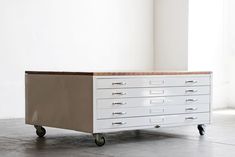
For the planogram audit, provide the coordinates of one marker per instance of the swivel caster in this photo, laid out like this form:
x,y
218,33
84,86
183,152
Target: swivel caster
x,y
201,129
40,131
99,140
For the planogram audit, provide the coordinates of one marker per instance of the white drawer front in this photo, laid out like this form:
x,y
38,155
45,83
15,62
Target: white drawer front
x,y
153,121
125,122
128,112
193,108
150,111
156,101
151,92
151,82
188,118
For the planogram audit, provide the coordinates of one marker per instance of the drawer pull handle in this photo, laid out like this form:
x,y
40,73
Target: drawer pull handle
x,y
156,82
118,103
119,113
191,109
119,83
118,123
191,81
157,101
160,120
191,100
119,93
156,111
191,91
190,118
157,92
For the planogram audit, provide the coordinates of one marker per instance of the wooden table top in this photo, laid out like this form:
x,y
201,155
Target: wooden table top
x,y
121,73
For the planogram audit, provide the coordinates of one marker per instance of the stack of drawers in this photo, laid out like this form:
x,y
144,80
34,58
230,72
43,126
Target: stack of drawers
x,y
133,102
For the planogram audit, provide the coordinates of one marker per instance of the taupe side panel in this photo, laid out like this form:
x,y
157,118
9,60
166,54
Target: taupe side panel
x,y
62,101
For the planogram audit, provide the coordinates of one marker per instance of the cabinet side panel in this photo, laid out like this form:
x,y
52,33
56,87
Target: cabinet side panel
x,y
61,101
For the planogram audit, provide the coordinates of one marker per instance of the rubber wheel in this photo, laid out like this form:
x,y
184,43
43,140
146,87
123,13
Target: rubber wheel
x,y
40,131
100,142
201,129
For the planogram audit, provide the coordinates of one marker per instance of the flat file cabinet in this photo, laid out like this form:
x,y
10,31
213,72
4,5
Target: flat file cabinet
x,y
102,102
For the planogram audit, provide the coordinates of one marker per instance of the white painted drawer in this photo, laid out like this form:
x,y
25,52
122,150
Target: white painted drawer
x,y
124,122
155,101
199,118
180,109
151,82
150,111
151,92
128,112
187,118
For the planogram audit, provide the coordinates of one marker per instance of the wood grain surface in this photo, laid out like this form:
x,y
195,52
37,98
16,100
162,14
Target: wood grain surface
x,y
121,73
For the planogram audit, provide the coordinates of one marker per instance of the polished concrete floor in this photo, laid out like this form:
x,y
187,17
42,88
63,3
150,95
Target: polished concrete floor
x,y
19,140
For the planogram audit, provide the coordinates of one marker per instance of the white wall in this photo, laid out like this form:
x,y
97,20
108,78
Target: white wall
x,y
229,48
70,35
171,34
206,18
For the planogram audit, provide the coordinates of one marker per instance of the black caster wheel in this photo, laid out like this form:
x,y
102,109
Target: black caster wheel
x,y
201,129
40,131
99,140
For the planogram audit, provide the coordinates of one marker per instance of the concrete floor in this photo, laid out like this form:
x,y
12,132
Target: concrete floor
x,y
18,139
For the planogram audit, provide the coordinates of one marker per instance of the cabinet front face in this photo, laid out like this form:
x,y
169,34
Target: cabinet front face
x,y
132,102
152,81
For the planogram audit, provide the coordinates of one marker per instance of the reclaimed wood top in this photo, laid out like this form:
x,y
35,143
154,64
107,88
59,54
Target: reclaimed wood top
x,y
121,73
